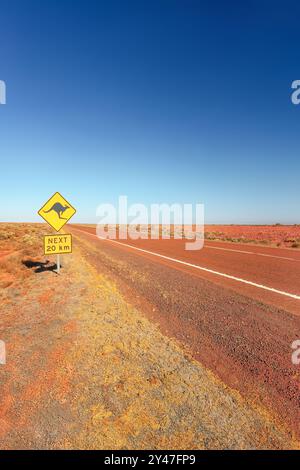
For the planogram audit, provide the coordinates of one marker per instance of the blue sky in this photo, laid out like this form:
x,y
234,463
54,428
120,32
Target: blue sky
x,y
162,100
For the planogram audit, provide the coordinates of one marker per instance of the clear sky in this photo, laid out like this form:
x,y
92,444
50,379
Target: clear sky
x,y
160,100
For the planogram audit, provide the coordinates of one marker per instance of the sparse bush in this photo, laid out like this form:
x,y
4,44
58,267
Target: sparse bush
x,y
6,235
28,240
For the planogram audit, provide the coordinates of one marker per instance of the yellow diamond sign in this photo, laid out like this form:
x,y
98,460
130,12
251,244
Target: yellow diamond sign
x,y
57,211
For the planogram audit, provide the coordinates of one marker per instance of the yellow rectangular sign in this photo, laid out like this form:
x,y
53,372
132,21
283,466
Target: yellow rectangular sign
x,y
57,244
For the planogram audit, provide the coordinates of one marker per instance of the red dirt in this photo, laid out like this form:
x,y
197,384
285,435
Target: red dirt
x,y
4,253
246,342
86,370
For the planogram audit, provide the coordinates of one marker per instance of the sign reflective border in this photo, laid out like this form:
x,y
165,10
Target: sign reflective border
x,y
57,211
57,244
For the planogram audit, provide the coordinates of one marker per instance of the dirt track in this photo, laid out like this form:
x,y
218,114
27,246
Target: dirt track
x,y
242,334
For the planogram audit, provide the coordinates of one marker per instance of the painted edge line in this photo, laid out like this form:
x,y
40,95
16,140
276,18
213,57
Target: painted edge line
x,y
201,268
250,253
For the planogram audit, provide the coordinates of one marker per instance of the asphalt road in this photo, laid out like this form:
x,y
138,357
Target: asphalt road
x,y
236,308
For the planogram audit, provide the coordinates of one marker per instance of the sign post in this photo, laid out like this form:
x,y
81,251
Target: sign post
x,y
57,244
56,212
58,264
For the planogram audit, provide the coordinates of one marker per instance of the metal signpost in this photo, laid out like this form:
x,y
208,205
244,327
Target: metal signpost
x,y
56,212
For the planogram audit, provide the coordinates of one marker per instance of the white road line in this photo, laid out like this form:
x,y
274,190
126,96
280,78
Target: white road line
x,y
249,252
228,249
201,268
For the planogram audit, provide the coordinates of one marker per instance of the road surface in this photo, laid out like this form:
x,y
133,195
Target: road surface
x,y
235,307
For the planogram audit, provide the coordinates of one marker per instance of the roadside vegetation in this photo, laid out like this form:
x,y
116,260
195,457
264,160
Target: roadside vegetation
x,y
284,236
18,244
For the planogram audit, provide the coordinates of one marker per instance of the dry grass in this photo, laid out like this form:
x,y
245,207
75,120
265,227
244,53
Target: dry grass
x,y
285,236
17,242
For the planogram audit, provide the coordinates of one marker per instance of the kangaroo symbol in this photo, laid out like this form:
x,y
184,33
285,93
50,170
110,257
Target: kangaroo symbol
x,y
59,209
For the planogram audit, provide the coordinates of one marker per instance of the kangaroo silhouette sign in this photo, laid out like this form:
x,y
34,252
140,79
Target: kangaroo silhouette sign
x,y
57,211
